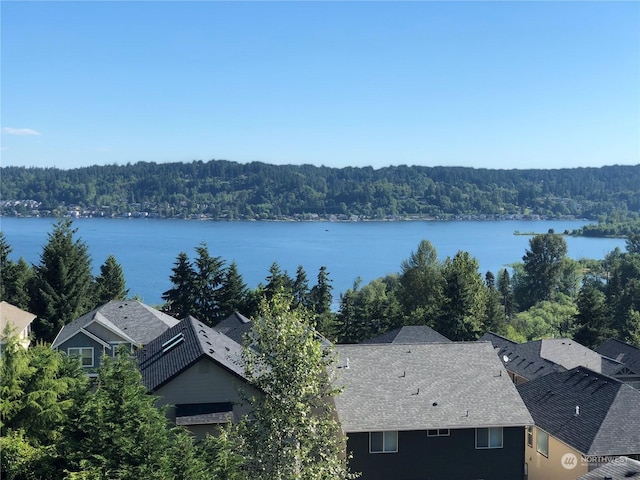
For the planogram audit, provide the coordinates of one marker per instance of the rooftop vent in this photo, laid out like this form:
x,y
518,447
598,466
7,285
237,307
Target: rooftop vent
x,y
172,342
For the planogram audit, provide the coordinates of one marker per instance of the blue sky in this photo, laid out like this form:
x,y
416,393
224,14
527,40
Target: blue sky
x,y
482,84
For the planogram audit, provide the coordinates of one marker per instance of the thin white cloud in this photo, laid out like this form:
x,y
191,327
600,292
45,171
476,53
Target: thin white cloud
x,y
19,131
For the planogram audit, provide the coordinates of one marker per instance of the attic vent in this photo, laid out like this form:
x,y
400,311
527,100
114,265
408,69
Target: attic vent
x,y
172,342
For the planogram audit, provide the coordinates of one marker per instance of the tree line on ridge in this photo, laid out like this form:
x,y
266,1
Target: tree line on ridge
x,y
220,189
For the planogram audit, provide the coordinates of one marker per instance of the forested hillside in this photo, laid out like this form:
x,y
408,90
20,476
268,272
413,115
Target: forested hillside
x,y
221,189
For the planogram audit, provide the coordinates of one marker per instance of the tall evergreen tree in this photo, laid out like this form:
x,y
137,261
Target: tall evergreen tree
x,y
14,277
277,281
61,288
110,284
233,295
120,434
463,316
421,285
301,294
543,263
495,318
180,299
208,286
593,321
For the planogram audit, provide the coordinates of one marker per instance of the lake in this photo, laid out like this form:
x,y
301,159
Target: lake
x,y
147,248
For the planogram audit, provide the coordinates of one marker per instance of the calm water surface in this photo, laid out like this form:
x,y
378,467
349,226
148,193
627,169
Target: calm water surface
x,y
147,249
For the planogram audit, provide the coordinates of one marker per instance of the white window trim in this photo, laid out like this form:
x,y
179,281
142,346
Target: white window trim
x,y
440,432
489,447
538,431
79,355
384,433
530,436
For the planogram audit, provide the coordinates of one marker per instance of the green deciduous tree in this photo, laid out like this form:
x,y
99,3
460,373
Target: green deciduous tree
x,y
61,288
292,432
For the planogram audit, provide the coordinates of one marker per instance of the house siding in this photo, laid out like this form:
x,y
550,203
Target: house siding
x,y
81,340
205,382
551,467
452,457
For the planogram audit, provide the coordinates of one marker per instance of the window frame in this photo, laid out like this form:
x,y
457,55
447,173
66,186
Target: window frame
x,y
538,437
488,432
384,434
80,355
438,432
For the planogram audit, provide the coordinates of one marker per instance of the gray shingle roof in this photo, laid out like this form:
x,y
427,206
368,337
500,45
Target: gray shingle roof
x,y
424,386
622,352
235,326
608,422
535,359
410,334
621,468
129,318
158,362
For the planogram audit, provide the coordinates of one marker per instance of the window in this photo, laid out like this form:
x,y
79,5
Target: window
x,y
542,443
440,432
530,436
85,354
489,437
383,442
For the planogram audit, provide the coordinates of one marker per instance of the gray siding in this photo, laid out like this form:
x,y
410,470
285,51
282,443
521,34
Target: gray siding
x,y
205,382
81,340
455,457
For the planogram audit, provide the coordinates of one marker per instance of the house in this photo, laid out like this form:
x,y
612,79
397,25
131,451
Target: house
x,y
531,360
235,326
17,321
101,331
628,355
409,334
436,410
582,419
620,468
197,372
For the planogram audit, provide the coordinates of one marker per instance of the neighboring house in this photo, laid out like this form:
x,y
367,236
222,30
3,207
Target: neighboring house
x,y
101,331
535,359
626,354
582,418
198,373
235,326
423,411
17,321
621,468
410,334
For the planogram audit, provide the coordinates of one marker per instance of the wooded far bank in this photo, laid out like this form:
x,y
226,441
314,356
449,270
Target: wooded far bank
x,y
224,190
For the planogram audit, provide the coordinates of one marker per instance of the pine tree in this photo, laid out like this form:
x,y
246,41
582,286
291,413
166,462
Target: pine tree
x,y
110,284
120,433
208,286
180,299
233,295
62,283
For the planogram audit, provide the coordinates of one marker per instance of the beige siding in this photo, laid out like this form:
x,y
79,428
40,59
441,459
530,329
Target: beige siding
x,y
551,467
